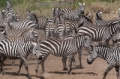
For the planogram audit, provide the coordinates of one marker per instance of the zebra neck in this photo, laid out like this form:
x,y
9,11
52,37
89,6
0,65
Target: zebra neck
x,y
103,51
98,17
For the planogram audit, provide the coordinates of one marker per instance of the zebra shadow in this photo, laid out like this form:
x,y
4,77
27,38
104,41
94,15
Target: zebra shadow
x,y
41,77
15,74
22,74
73,73
77,67
18,64
7,68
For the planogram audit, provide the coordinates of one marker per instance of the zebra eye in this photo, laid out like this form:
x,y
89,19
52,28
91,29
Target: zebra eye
x,y
35,49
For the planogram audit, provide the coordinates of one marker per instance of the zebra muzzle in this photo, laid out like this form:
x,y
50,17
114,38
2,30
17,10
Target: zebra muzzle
x,y
89,62
40,58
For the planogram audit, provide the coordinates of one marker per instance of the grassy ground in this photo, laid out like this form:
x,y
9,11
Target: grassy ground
x,y
42,7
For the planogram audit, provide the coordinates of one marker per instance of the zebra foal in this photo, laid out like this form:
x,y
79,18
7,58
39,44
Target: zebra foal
x,y
112,56
60,48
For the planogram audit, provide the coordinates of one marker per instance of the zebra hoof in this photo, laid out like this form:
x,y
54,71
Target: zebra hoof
x,y
3,73
18,73
80,67
65,68
69,73
29,77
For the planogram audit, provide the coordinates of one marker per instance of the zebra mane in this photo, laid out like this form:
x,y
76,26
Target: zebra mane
x,y
88,19
111,23
35,16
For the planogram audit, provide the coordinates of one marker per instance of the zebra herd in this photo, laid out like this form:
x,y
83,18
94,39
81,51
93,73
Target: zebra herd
x,y
67,31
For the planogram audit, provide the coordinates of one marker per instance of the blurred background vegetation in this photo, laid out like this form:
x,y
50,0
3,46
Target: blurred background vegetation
x,y
44,7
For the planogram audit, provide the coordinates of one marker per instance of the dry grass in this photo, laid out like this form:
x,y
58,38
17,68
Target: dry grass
x,y
110,10
44,8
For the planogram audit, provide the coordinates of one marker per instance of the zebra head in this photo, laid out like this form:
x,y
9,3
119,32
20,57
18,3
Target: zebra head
x,y
81,8
31,16
37,52
88,15
92,56
98,15
33,33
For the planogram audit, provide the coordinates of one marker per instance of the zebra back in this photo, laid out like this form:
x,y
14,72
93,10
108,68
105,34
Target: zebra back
x,y
13,50
61,47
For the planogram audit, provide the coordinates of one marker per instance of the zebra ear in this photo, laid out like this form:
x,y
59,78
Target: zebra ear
x,y
91,48
80,4
53,8
31,12
83,3
100,12
119,9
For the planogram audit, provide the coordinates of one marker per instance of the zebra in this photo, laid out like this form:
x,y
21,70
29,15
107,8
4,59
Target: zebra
x,y
72,26
100,21
23,24
2,16
60,48
10,15
31,16
103,33
8,5
111,55
64,29
58,16
73,14
12,32
16,23
15,50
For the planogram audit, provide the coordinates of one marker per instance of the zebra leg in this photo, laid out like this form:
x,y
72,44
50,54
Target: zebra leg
x,y
42,64
36,70
74,61
21,63
26,67
2,69
2,65
107,70
117,70
118,74
70,64
64,59
79,53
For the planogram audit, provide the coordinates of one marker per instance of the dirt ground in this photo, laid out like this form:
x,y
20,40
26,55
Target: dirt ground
x,y
53,68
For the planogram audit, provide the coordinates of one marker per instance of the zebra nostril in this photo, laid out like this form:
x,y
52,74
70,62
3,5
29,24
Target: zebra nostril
x,y
40,58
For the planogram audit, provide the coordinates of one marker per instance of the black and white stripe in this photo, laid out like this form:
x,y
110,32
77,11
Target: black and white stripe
x,y
61,48
14,50
50,29
112,56
103,33
73,14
